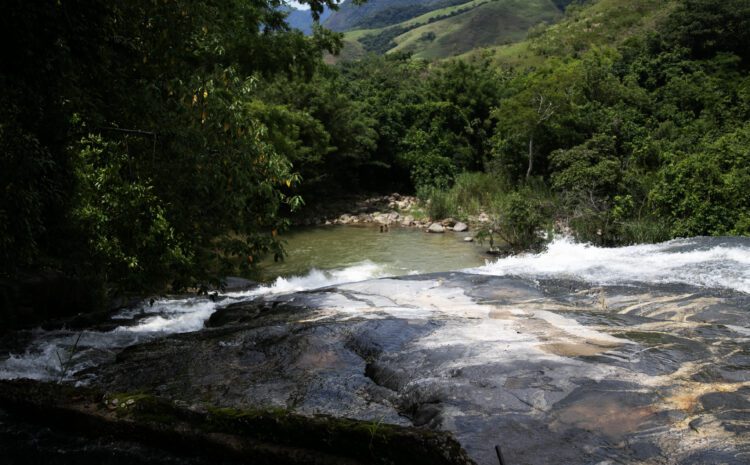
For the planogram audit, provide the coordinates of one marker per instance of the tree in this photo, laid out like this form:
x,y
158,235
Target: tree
x,y
528,117
709,27
705,192
132,150
542,110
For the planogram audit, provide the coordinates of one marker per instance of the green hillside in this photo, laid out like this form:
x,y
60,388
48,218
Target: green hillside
x,y
626,121
456,29
486,24
596,23
382,13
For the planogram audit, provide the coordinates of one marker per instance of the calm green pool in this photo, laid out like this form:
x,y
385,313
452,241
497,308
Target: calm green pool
x,y
398,252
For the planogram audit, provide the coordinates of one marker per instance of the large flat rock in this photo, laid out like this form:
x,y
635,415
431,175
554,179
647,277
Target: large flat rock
x,y
550,371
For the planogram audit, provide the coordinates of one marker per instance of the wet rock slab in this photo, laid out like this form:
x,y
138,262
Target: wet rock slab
x,y
550,371
51,423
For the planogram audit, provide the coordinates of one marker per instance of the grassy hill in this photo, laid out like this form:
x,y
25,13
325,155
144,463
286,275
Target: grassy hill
x,y
382,13
596,23
454,29
487,23
514,32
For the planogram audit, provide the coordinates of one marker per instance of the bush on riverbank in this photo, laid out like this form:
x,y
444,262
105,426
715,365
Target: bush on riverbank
x,y
521,215
471,193
516,216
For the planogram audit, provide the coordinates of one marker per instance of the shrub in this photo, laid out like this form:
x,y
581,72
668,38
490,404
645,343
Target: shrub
x,y
470,194
705,192
441,205
432,171
519,220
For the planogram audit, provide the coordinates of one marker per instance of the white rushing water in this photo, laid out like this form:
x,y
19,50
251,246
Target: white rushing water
x,y
316,279
58,354
707,262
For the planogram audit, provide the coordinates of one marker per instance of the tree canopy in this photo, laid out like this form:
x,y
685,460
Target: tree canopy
x,y
150,145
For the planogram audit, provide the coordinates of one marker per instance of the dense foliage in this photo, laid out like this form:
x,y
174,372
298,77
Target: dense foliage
x,y
151,145
639,142
132,153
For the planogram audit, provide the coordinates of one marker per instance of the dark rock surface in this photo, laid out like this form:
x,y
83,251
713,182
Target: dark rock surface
x,y
49,423
551,371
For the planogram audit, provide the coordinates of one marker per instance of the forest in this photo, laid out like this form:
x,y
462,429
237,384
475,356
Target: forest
x,y
162,145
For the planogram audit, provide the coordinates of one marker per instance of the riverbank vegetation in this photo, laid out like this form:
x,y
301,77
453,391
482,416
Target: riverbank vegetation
x,y
133,156
635,143
161,145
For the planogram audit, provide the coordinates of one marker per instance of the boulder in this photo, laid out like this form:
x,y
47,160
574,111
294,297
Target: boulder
x,y
436,228
407,221
460,227
468,239
405,203
380,218
449,222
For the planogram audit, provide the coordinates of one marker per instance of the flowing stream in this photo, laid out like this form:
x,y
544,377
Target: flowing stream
x,y
579,354
320,257
317,257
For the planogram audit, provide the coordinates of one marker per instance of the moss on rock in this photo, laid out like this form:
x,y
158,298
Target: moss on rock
x,y
263,436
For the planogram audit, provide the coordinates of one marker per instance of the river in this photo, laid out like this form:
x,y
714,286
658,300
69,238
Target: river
x,y
317,257
578,354
364,251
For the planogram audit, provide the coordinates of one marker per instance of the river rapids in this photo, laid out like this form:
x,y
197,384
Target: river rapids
x,y
578,354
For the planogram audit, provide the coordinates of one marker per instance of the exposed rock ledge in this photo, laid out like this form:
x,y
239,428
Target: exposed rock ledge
x,y
550,371
61,424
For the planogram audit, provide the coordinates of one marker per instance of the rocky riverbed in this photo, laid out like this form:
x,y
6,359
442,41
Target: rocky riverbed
x,y
394,210
579,355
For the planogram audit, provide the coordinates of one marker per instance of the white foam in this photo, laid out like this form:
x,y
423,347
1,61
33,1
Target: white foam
x,y
43,365
174,316
316,279
42,359
700,262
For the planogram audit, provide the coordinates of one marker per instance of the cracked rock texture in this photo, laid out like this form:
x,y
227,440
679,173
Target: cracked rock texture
x,y
551,371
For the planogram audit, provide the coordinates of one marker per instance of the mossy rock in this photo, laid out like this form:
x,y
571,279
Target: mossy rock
x,y
271,436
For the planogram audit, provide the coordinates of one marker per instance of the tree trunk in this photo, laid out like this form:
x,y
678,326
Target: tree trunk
x,y
531,156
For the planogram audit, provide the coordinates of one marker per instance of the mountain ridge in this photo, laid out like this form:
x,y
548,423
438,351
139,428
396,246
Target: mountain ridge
x,y
450,28
382,13
302,19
